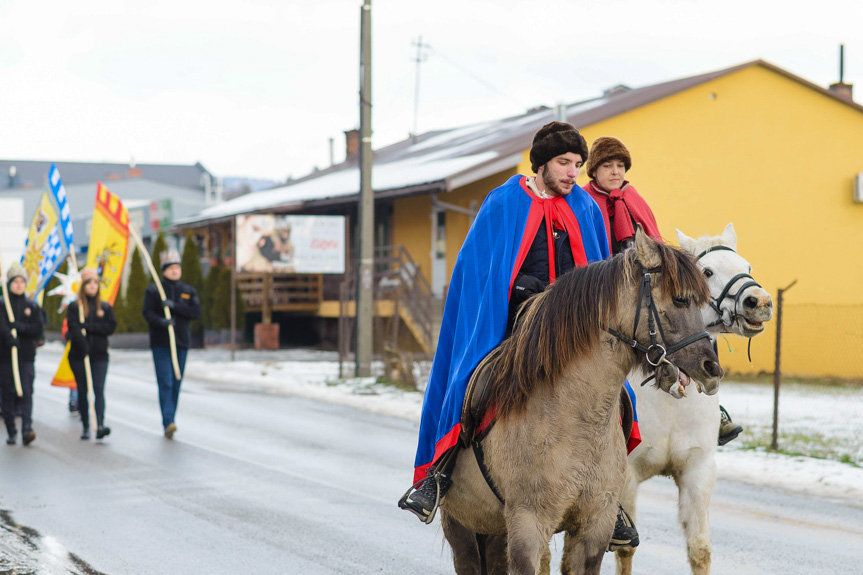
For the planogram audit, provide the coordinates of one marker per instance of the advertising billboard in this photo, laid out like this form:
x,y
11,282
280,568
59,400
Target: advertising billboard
x,y
268,243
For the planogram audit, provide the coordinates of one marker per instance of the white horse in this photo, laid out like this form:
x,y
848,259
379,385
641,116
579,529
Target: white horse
x,y
678,436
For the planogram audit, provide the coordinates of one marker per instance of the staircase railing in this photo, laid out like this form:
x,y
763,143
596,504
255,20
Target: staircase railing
x,y
396,278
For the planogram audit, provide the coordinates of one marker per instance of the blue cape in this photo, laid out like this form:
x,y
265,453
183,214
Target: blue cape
x,y
477,303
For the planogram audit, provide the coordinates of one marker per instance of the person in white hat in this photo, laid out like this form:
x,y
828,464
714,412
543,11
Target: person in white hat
x,y
182,300
28,327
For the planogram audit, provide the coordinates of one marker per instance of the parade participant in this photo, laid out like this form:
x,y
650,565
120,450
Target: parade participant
x,y
89,342
182,300
527,233
28,326
622,208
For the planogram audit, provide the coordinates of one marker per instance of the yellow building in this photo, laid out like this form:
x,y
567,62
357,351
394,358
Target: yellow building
x,y
754,145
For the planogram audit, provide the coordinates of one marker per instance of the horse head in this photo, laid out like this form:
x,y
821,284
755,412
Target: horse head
x,y
668,326
738,304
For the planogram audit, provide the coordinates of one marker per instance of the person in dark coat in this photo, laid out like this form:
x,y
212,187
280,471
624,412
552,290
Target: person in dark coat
x,y
90,338
28,327
182,300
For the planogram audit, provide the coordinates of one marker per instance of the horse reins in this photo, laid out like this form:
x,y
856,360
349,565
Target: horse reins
x,y
655,353
716,303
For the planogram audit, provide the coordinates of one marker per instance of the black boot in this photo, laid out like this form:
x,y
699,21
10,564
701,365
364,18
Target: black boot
x,y
425,500
102,431
728,430
86,433
28,435
625,534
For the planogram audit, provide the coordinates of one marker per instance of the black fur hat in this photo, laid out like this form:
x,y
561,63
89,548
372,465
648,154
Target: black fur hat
x,y
555,139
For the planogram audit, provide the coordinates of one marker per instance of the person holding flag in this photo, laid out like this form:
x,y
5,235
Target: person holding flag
x,y
106,255
89,342
19,330
182,302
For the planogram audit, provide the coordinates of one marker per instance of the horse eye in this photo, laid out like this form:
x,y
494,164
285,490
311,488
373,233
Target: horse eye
x,y
708,272
681,301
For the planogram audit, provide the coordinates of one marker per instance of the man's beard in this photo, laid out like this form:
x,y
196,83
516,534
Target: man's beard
x,y
552,185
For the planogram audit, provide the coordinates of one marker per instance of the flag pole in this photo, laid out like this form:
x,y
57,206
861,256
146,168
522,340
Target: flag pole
x,y
171,335
88,370
16,373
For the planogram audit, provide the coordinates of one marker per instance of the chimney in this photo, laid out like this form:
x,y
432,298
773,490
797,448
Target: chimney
x,y
352,145
840,88
843,90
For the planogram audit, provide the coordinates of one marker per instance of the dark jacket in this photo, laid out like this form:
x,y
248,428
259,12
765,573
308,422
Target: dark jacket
x,y
28,322
533,276
99,325
186,307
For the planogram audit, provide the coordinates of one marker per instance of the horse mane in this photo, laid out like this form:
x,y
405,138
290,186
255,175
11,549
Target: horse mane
x,y
565,322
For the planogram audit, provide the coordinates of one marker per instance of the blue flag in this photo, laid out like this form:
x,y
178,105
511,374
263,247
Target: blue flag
x,y
62,204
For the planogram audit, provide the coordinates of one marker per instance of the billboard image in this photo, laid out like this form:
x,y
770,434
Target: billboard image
x,y
290,244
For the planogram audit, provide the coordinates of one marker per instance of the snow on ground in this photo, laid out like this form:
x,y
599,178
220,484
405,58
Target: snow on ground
x,y
821,423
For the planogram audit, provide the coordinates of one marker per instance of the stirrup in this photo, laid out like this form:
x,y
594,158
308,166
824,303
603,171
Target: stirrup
x,y
430,517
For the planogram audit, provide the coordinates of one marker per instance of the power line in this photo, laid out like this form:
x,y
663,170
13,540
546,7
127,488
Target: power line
x,y
464,70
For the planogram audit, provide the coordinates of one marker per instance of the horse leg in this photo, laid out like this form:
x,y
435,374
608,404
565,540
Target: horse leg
x,y
465,547
526,538
583,555
696,487
627,499
493,554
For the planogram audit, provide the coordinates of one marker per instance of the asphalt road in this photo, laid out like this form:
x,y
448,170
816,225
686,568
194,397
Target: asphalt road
x,y
262,483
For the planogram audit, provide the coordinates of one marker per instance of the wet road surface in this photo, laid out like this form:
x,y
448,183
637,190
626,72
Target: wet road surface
x,y
261,483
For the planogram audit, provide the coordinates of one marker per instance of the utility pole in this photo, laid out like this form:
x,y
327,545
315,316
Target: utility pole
x,y
363,308
421,57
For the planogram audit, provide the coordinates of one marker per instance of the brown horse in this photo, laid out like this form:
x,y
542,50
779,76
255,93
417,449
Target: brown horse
x,y
555,453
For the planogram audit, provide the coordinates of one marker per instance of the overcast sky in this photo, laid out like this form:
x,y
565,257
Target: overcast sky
x,y
257,88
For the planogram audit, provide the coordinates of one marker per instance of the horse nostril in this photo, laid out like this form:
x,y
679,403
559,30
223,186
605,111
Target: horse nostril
x,y
712,368
751,302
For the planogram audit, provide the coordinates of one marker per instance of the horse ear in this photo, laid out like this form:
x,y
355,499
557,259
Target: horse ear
x,y
729,236
647,249
686,243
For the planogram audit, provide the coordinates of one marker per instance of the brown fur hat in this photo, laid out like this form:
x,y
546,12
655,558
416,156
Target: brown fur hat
x,y
606,148
555,139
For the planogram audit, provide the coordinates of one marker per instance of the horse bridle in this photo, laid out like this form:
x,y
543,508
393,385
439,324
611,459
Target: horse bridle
x,y
716,303
655,353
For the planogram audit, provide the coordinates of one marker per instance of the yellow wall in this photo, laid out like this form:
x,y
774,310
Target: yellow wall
x,y
412,230
777,159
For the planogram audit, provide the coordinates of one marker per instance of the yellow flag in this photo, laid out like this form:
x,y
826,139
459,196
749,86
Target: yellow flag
x,y
109,242
44,248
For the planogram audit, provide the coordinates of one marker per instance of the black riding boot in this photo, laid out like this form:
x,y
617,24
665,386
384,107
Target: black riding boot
x,y
424,501
625,534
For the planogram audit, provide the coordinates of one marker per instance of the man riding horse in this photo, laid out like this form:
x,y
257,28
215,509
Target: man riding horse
x,y
528,232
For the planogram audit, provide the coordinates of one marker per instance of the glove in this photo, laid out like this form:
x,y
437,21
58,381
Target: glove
x,y
15,325
168,303
11,341
86,325
165,322
524,287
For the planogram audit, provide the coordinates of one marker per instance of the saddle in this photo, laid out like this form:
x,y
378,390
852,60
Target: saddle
x,y
477,416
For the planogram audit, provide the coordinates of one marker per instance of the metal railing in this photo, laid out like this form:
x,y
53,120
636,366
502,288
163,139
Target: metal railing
x,y
397,280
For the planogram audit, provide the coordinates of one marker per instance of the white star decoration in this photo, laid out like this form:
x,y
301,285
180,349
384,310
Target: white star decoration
x,y
68,288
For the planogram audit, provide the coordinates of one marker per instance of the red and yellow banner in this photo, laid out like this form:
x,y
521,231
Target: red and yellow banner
x,y
109,244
